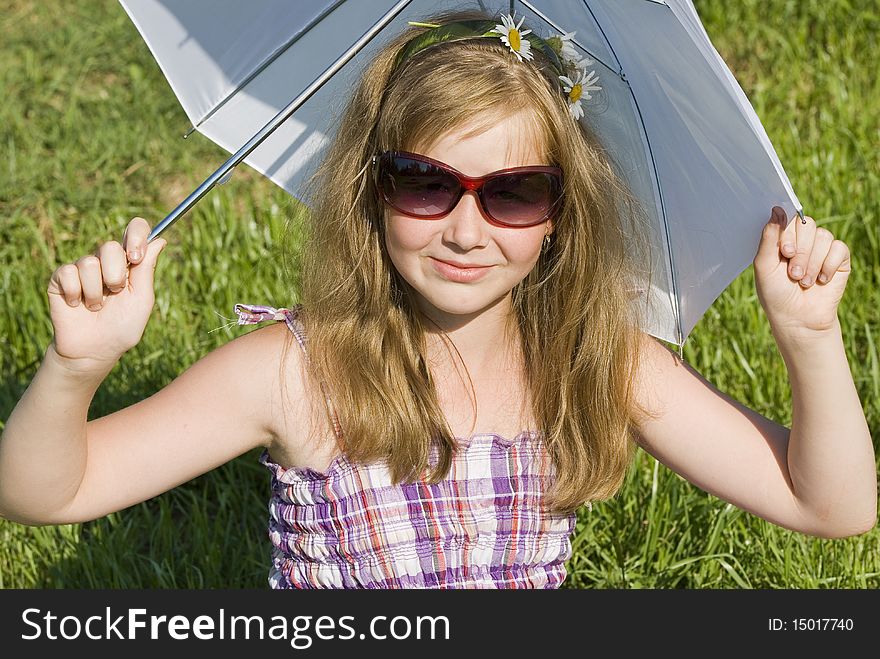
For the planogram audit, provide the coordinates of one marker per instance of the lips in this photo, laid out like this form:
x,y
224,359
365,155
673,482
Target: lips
x,y
462,265
459,272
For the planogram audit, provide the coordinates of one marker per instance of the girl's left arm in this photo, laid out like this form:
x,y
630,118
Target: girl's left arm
x,y
819,477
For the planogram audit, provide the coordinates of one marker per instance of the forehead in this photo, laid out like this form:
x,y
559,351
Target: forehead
x,y
487,144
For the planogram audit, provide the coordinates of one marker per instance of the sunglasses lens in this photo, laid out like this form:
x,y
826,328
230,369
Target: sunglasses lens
x,y
521,199
417,188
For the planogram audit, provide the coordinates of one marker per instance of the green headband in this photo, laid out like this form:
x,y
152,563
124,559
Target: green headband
x,y
565,60
469,30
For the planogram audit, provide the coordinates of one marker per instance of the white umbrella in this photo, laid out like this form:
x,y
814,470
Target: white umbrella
x,y
678,127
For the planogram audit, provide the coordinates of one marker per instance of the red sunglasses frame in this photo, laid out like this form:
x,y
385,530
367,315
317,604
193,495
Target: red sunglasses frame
x,y
465,183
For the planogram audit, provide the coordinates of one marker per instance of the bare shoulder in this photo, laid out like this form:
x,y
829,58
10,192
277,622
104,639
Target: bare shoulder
x,y
253,362
281,389
659,367
272,364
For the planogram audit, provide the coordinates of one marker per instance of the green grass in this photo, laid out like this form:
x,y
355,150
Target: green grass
x,y
90,135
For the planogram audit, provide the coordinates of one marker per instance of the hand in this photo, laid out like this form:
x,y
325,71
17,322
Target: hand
x,y
800,275
100,304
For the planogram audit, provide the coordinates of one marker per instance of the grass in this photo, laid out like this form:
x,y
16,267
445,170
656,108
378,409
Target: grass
x,y
90,135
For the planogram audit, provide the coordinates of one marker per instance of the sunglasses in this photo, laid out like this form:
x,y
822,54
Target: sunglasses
x,y
421,187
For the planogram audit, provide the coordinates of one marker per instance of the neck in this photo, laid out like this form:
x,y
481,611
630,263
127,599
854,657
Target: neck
x,y
485,339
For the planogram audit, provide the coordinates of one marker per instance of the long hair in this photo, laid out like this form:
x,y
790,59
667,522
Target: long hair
x,y
573,312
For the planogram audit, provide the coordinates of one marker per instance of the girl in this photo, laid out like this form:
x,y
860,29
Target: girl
x,y
467,369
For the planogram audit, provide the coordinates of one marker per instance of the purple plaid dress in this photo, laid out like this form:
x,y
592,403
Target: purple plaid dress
x,y
483,526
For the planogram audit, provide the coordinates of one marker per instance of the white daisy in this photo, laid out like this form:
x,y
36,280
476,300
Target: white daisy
x,y
513,37
568,54
567,49
578,89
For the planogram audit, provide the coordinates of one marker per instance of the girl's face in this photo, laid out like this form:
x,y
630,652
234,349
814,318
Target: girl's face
x,y
418,247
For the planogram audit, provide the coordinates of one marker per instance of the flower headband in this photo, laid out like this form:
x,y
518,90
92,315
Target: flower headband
x,y
570,68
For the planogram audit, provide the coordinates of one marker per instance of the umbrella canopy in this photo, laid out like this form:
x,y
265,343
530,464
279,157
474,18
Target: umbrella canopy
x,y
676,124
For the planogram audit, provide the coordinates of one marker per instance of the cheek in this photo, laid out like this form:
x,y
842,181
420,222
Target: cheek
x,y
524,247
405,240
405,234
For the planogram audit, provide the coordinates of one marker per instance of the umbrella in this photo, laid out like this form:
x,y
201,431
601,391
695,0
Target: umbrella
x,y
264,81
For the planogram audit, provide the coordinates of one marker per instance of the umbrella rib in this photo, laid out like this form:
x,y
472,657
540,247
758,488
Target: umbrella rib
x,y
669,255
650,153
618,72
271,58
608,41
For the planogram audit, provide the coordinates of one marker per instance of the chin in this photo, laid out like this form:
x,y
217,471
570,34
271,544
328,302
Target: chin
x,y
461,303
434,293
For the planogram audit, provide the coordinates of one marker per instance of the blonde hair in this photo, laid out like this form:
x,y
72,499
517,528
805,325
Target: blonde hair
x,y
573,311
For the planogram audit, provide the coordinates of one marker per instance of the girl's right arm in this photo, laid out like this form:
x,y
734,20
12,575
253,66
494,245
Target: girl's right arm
x,y
57,468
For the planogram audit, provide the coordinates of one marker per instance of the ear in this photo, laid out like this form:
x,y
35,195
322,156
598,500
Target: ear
x,y
550,228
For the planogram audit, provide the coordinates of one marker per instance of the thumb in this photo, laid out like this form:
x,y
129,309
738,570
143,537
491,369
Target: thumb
x,y
769,254
141,275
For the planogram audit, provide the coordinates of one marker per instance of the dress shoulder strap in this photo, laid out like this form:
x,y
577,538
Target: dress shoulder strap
x,y
253,314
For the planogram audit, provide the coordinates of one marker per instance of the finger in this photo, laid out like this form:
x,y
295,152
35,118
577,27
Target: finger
x,y
804,230
141,275
821,245
837,260
65,282
787,239
114,265
768,249
89,268
134,240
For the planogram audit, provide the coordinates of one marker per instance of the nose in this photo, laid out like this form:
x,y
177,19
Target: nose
x,y
466,226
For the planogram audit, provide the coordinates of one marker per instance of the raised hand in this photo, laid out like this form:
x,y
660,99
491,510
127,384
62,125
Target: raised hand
x,y
100,304
801,272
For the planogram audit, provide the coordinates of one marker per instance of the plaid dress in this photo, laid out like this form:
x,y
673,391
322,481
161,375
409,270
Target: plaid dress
x,y
483,526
